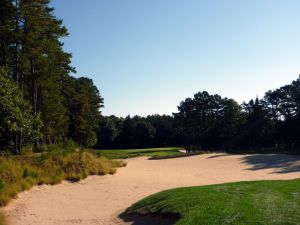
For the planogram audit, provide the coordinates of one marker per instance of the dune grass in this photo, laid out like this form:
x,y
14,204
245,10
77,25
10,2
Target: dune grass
x,y
129,153
2,219
258,202
19,173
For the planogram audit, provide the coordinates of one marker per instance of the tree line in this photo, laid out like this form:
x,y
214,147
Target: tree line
x,y
40,103
212,122
135,132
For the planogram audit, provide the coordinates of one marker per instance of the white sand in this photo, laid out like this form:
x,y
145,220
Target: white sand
x,y
100,199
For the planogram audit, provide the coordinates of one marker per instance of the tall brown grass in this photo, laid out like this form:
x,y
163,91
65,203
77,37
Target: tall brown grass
x,y
2,219
19,173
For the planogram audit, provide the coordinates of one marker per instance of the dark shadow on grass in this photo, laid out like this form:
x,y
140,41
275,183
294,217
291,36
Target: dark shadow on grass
x,y
150,218
282,163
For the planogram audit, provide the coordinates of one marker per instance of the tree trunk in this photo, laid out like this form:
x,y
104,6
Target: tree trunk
x,y
23,52
17,44
3,46
33,86
16,144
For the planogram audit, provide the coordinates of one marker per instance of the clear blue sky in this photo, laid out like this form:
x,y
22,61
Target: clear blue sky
x,y
146,56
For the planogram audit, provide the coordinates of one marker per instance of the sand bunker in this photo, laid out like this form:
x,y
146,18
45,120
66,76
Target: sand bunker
x,y
100,199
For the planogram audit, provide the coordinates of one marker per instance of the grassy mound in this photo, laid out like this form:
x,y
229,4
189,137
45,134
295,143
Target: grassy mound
x,y
19,173
129,153
258,202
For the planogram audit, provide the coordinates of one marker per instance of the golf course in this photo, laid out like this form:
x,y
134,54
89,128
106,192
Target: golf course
x,y
115,199
149,112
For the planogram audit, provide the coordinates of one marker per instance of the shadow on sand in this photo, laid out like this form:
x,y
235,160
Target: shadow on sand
x,y
150,219
282,163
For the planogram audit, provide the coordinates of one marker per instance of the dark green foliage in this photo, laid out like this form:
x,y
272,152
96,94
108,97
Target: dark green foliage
x,y
164,127
257,130
17,120
108,131
126,137
208,120
135,132
54,112
145,132
258,202
84,104
6,27
212,122
33,55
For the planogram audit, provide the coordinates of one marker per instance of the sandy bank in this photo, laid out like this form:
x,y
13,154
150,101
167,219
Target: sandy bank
x,y
99,200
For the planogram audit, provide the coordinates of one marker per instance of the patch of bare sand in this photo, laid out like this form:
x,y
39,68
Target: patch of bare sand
x,y
100,199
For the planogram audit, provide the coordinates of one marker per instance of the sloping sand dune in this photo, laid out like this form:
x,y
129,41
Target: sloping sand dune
x,y
100,199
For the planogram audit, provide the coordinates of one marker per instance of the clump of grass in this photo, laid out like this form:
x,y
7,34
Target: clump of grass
x,y
2,219
256,202
19,173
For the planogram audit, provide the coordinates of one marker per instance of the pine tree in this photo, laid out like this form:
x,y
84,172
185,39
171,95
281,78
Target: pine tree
x,y
84,104
6,29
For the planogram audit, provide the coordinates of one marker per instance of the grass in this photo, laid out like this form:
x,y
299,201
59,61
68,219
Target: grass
x,y
258,202
129,153
2,219
19,173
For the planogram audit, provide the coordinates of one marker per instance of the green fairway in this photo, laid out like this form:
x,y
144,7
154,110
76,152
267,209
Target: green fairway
x,y
129,153
258,202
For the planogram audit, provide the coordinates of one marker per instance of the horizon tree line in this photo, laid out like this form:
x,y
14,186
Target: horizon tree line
x,y
211,122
